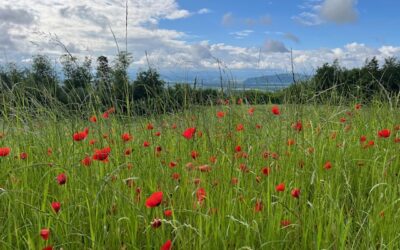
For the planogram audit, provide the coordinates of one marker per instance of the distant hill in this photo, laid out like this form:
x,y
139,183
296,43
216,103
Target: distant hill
x,y
210,79
278,79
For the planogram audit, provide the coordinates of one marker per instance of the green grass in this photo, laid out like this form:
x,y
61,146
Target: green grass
x,y
353,205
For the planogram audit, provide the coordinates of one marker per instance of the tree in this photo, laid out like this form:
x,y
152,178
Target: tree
x,y
43,74
391,74
120,76
147,85
103,80
78,77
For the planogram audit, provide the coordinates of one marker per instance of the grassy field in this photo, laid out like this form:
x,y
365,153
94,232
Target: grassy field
x,y
263,177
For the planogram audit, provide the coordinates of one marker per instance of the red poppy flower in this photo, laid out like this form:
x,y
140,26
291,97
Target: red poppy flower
x,y
156,223
259,206
168,213
48,248
201,195
213,159
290,142
251,111
298,126
234,181
158,148
108,112
167,245
158,133
239,101
176,176
93,119
285,223
194,154
56,206
357,106
295,193
87,161
106,115
342,120
61,179
328,165
188,133
244,168
205,168
220,114
172,164
239,127
275,110
4,151
363,138
45,233
266,171
101,154
23,156
146,144
154,200
384,133
280,187
128,151
126,137
238,148
79,136
150,126
370,144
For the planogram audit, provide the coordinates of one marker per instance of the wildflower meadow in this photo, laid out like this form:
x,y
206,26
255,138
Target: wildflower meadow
x,y
228,176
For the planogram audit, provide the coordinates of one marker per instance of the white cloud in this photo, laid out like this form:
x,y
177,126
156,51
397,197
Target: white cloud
x,y
389,51
203,11
308,19
84,29
275,46
339,11
241,34
30,26
317,12
274,57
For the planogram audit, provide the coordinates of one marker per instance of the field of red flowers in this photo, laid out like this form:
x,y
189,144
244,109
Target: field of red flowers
x,y
225,177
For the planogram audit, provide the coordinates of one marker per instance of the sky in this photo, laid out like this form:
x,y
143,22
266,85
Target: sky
x,y
182,36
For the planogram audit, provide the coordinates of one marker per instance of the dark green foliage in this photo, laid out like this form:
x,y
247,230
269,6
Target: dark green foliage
x,y
147,85
109,86
335,83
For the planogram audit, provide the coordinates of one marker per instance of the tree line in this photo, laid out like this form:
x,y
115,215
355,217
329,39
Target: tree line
x,y
101,84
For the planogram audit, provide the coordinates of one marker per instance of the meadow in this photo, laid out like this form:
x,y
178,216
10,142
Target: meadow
x,y
229,176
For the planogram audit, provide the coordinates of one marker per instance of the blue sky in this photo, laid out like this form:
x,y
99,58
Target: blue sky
x,y
375,24
186,36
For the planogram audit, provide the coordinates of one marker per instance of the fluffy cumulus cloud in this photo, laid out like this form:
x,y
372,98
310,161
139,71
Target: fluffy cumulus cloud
x,y
86,27
339,11
316,12
36,26
275,46
241,34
